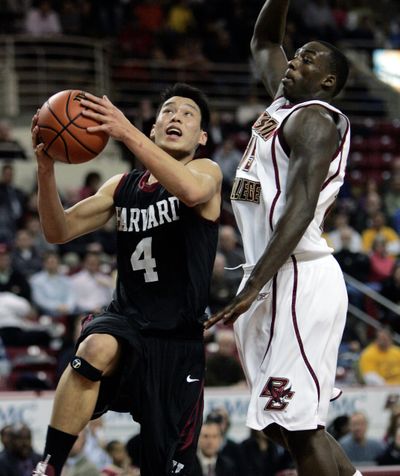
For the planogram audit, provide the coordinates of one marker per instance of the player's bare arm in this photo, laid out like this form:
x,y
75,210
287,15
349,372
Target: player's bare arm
x,y
313,139
59,225
197,183
266,44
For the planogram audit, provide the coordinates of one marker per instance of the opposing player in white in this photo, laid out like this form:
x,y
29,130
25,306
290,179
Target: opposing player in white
x,y
292,300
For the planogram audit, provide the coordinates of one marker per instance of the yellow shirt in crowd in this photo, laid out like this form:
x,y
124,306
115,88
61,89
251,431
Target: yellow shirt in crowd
x,y
384,363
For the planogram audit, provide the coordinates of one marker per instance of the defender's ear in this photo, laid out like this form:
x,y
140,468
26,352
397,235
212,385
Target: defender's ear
x,y
329,82
152,132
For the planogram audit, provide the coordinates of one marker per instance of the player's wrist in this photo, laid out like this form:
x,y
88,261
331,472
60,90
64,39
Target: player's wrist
x,y
45,166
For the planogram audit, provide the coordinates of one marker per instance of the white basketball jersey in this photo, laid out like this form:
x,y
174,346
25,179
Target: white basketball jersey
x,y
258,193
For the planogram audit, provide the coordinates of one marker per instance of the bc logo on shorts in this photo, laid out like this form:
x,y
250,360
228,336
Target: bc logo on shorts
x,y
76,363
279,396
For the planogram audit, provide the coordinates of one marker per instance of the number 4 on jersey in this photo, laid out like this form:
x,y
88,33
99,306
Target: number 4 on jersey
x,y
141,259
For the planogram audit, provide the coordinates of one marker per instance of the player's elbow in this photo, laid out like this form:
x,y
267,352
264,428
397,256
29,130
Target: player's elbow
x,y
54,236
192,199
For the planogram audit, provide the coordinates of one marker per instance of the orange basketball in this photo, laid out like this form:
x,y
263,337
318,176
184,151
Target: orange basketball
x,y
62,129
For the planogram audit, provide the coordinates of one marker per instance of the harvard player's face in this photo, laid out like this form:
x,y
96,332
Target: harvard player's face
x,y
307,73
177,129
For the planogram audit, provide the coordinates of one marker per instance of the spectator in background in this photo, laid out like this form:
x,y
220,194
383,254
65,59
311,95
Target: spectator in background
x,y
319,19
262,457
229,448
353,263
5,437
380,361
12,203
5,368
221,289
391,199
25,257
366,208
92,288
391,454
52,291
228,245
120,465
357,445
95,444
92,183
378,227
77,463
180,18
209,461
149,14
9,147
339,427
19,458
42,20
381,263
335,238
12,280
18,322
223,367
33,227
249,110
391,290
70,17
228,158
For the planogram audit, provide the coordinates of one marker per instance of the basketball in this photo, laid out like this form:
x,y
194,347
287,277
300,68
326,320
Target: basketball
x,y
62,129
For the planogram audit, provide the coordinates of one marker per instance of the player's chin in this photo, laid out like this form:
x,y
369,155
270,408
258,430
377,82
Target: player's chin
x,y
178,151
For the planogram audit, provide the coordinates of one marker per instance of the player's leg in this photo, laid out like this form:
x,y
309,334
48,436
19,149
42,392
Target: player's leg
x,y
313,453
344,464
171,406
76,395
275,434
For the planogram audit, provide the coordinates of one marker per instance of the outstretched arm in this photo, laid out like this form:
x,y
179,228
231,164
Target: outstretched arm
x,y
266,44
313,139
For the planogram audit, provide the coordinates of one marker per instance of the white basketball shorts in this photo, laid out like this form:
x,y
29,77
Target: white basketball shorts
x,y
288,344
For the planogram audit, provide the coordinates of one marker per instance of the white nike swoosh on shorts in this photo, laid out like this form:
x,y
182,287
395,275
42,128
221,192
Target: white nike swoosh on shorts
x,y
189,379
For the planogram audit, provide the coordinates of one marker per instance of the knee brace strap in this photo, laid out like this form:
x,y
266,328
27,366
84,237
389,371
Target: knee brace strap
x,y
82,367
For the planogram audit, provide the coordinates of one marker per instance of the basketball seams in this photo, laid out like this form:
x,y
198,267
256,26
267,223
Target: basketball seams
x,y
65,128
59,114
53,140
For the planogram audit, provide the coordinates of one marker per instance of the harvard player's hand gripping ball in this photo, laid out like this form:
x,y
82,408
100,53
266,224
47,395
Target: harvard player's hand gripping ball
x,y
62,129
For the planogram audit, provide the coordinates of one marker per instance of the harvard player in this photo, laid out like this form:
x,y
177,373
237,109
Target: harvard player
x,y
292,301
145,354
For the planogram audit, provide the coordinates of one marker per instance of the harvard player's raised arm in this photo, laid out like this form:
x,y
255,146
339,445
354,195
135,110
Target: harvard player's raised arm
x,y
266,44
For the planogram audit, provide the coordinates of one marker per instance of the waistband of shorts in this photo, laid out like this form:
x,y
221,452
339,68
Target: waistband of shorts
x,y
174,335
301,259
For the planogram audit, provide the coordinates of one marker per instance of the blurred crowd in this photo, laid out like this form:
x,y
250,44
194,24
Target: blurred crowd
x,y
218,454
199,30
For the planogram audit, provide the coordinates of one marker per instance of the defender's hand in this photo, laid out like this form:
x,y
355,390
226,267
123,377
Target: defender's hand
x,y
232,311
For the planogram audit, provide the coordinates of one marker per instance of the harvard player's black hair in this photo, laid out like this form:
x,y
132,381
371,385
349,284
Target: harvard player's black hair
x,y
186,91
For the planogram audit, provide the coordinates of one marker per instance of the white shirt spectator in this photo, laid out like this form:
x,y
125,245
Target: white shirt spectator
x,y
42,21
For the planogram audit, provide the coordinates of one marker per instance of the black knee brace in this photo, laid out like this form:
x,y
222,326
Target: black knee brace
x,y
85,369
